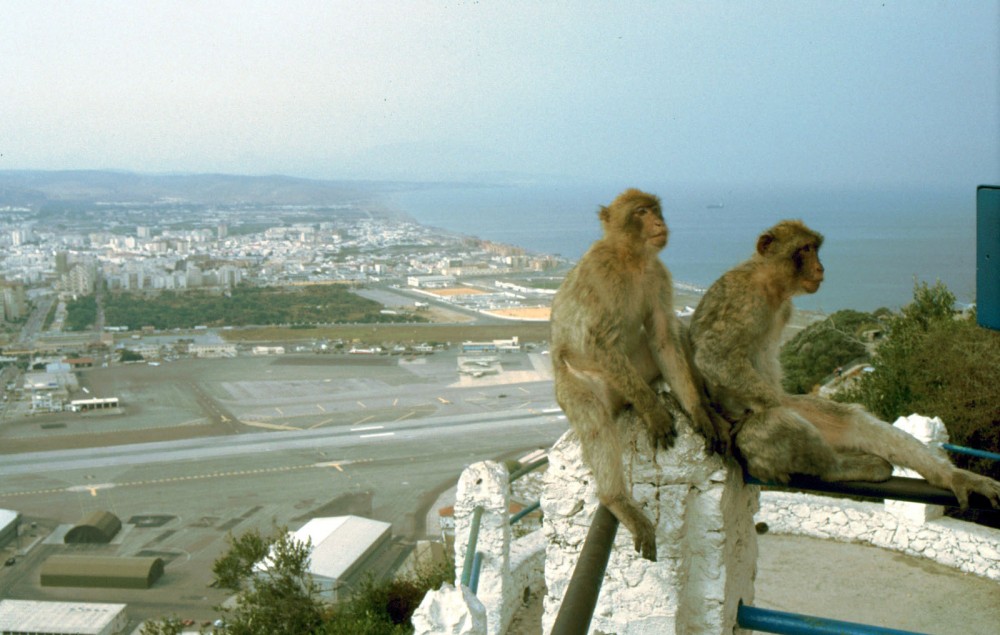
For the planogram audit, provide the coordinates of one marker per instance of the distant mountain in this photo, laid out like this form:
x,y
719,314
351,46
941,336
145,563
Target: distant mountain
x,y
35,188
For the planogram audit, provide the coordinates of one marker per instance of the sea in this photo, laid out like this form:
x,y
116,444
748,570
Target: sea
x,y
878,243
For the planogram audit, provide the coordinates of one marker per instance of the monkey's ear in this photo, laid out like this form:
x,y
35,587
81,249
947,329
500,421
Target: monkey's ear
x,y
604,214
764,242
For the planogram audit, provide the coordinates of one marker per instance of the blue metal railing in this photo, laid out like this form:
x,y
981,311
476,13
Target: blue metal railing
x,y
982,454
768,621
581,594
473,558
468,567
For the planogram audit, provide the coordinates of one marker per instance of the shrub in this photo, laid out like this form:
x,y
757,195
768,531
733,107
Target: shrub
x,y
822,347
936,364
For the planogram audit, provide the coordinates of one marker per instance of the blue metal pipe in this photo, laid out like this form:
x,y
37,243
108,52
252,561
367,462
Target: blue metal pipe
x,y
983,454
525,469
524,512
768,621
477,565
470,550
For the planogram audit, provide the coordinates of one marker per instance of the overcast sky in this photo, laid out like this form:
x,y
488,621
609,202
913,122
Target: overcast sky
x,y
774,92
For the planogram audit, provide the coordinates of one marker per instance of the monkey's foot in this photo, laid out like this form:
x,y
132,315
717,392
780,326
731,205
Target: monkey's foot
x,y
643,532
661,430
964,483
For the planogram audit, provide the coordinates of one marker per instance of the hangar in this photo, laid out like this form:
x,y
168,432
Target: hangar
x,y
344,550
9,520
101,572
97,528
22,617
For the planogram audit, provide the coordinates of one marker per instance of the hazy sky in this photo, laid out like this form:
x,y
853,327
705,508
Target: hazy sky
x,y
789,92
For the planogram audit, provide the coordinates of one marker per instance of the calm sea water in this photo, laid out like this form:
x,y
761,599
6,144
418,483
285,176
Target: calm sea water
x,y
878,243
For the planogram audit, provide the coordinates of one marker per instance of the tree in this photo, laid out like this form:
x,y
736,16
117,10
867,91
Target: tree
x,y
278,598
130,356
168,626
822,347
934,363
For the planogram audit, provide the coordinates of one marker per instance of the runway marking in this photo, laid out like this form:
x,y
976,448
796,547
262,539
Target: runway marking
x,y
523,389
395,401
378,434
443,400
279,411
321,408
362,405
270,426
93,489
366,428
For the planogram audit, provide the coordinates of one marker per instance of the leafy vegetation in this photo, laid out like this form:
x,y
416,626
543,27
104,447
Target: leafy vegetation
x,y
819,349
284,599
935,363
81,313
128,355
245,305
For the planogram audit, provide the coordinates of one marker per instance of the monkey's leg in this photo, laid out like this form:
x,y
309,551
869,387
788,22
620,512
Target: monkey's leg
x,y
779,442
597,430
851,427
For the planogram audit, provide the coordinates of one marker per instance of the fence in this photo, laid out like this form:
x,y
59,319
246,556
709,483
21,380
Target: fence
x,y
703,584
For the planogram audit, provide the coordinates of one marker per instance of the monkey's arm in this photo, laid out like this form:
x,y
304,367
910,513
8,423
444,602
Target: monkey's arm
x,y
726,337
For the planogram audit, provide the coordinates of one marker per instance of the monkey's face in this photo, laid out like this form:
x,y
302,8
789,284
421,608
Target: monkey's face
x,y
810,269
651,227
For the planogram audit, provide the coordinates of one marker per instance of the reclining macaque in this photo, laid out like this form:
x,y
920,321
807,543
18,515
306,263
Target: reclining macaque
x,y
735,334
615,335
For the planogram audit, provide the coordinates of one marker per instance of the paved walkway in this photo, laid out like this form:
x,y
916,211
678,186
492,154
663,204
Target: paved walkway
x,y
858,583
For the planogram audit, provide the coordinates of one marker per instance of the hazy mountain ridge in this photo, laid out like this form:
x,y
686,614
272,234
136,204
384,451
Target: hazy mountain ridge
x,y
35,188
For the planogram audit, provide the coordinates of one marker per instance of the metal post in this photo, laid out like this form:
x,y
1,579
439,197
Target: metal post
x,y
585,586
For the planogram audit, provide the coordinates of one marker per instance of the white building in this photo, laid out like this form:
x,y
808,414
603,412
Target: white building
x,y
344,550
22,617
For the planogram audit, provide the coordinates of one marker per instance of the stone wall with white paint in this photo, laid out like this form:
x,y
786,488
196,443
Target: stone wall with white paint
x,y
911,528
707,547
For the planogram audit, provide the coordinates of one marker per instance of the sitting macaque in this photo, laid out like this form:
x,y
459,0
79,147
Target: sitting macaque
x,y
735,333
615,335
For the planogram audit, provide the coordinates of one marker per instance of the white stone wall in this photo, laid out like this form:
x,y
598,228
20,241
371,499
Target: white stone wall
x,y
911,528
965,546
707,547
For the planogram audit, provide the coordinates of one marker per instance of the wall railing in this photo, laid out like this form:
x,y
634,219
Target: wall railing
x,y
473,558
578,604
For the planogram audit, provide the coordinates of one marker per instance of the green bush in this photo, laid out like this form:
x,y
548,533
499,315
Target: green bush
x,y
822,347
939,365
385,608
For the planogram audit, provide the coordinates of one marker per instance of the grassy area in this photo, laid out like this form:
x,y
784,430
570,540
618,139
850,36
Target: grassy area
x,y
405,333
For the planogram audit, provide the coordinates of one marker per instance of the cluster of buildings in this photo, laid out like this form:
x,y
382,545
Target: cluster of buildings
x,y
162,247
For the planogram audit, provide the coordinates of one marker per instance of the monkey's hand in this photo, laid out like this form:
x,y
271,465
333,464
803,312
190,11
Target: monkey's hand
x,y
964,483
660,427
715,429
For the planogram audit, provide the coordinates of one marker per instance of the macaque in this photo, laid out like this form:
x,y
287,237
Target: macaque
x,y
614,336
735,334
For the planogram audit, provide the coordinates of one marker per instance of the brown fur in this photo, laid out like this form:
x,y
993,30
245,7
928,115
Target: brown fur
x,y
735,334
614,335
